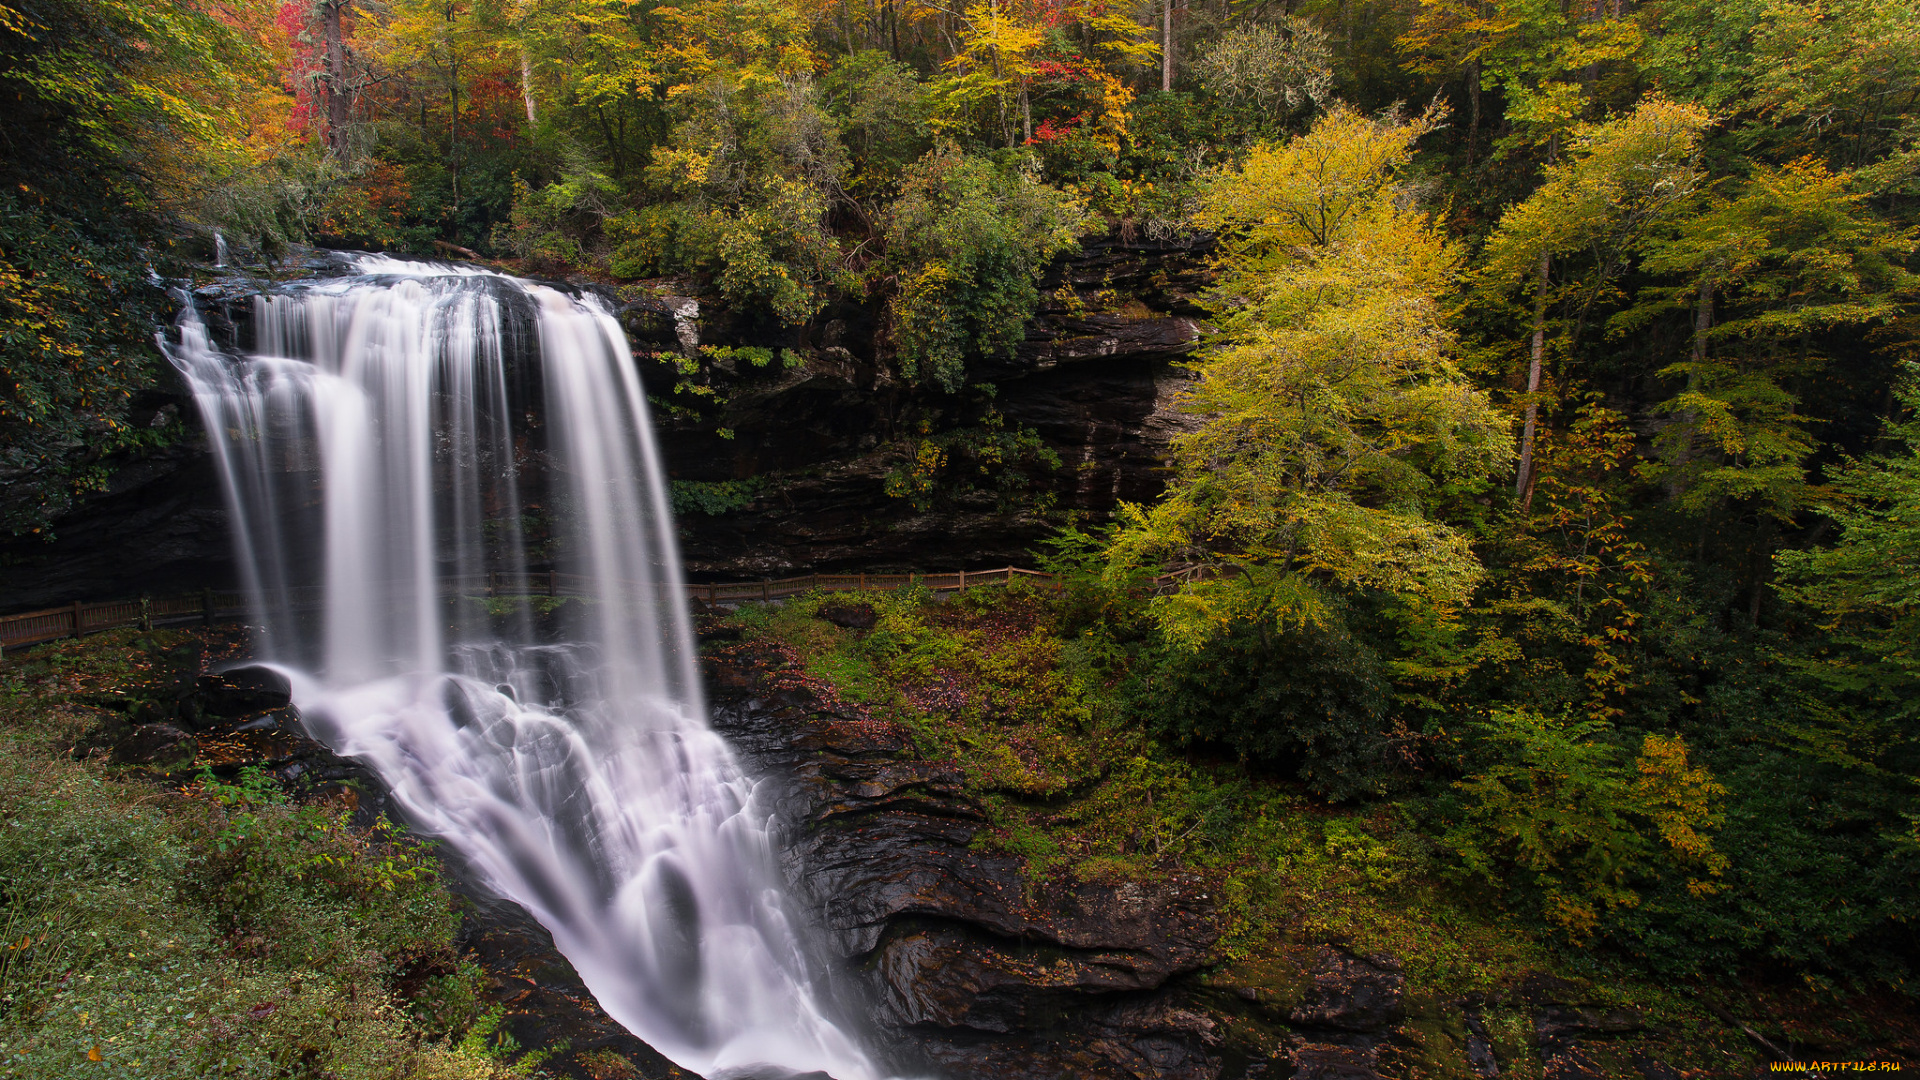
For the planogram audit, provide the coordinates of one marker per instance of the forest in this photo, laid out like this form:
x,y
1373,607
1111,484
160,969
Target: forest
x,y
1551,492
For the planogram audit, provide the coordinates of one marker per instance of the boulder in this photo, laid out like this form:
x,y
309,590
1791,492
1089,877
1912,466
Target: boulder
x,y
1352,993
243,691
147,744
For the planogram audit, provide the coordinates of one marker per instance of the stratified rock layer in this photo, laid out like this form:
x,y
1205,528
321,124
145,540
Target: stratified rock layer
x,y
973,971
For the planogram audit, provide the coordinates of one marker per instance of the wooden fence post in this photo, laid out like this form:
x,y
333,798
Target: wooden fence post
x,y
206,605
76,618
766,590
146,613
963,581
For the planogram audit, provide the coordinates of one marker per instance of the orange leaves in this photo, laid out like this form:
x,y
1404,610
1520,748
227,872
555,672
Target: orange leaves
x,y
1682,800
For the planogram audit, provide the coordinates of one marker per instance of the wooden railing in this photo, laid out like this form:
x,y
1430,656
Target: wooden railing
x,y
76,619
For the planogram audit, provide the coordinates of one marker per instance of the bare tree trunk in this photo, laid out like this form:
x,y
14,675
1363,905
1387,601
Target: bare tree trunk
x,y
1166,46
1473,109
1523,480
1702,322
453,126
1684,452
339,103
526,88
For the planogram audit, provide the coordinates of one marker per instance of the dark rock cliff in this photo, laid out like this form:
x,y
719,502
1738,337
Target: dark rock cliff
x,y
1095,381
968,971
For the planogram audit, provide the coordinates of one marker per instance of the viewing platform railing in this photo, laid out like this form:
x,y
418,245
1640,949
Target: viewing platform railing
x,y
80,618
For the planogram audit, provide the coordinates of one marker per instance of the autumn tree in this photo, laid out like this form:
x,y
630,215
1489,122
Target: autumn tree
x,y
115,111
1331,408
1618,180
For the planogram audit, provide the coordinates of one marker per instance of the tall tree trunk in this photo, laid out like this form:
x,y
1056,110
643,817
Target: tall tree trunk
x,y
339,102
453,126
1166,46
526,88
1523,479
1473,109
1702,322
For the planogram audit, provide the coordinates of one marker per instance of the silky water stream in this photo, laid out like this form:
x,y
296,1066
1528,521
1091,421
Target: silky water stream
x,y
398,440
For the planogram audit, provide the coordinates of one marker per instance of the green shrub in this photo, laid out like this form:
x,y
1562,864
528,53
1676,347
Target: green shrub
x,y
1555,815
713,498
657,241
1012,464
1307,699
968,239
217,932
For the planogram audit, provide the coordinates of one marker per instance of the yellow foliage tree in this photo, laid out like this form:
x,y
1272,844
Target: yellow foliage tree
x,y
1330,406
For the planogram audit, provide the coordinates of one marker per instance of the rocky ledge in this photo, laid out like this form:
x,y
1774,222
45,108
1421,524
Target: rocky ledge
x,y
975,972
971,971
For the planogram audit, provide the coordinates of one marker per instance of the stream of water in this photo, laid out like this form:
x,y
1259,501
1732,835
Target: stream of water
x,y
388,439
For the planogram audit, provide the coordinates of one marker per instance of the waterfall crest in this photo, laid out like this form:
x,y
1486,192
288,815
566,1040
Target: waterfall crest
x,y
396,446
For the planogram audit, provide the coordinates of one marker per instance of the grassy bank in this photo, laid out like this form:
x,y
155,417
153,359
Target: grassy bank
x,y
217,928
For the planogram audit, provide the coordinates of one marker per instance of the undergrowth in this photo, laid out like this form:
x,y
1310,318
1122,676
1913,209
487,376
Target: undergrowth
x,y
222,929
1045,724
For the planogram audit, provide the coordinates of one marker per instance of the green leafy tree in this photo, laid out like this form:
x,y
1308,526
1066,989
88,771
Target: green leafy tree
x,y
1769,274
1556,813
115,110
1867,589
968,240
1619,180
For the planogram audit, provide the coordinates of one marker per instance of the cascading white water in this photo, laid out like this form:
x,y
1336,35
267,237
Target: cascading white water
x,y
389,455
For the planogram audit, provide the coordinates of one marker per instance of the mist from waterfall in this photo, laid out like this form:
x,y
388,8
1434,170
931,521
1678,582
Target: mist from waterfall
x,y
396,446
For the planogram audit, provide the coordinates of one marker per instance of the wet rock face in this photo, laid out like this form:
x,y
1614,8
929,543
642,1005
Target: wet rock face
x,y
1352,993
964,963
160,527
1098,387
831,446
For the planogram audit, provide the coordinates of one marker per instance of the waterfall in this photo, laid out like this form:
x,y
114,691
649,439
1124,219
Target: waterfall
x,y
397,446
